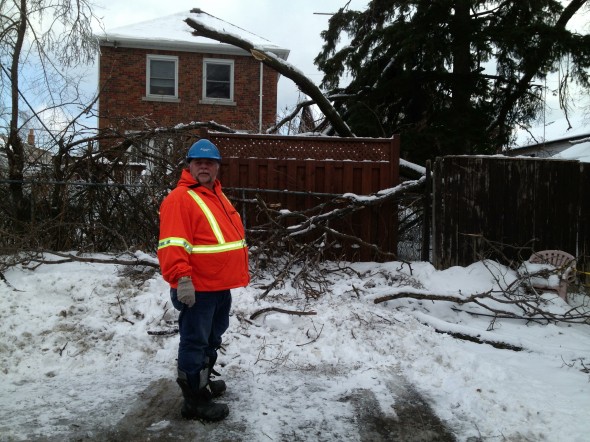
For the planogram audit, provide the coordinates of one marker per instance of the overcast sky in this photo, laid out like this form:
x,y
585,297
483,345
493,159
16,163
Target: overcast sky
x,y
293,24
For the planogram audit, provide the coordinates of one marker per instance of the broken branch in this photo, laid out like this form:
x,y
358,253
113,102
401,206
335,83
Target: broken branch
x,y
281,310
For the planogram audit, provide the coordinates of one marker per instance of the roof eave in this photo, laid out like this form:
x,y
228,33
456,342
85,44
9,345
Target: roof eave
x,y
555,141
175,45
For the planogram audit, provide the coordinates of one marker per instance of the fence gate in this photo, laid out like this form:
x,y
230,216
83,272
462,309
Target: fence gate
x,y
506,208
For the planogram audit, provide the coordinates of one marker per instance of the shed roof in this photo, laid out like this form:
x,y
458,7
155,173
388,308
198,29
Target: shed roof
x,y
172,33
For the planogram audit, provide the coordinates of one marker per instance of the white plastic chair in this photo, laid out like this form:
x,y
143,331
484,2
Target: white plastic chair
x,y
565,265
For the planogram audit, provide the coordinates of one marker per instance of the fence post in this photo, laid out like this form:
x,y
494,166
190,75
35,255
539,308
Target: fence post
x,y
427,213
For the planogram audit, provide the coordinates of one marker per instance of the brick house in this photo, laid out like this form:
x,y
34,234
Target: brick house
x,y
37,160
157,71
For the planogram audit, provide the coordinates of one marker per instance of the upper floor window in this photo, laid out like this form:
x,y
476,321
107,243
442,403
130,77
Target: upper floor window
x,y
218,80
162,76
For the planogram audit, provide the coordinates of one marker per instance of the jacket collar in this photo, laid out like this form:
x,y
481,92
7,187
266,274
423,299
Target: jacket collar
x,y
187,180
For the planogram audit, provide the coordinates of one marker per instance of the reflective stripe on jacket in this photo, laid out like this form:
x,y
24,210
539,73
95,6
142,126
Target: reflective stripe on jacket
x,y
202,236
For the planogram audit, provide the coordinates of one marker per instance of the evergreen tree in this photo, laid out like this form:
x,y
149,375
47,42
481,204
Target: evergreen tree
x,y
450,76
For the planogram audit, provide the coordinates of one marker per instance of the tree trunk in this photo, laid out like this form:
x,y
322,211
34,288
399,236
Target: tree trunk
x,y
462,79
15,147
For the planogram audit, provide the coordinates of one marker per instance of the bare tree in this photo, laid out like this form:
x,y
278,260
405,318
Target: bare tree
x,y
41,42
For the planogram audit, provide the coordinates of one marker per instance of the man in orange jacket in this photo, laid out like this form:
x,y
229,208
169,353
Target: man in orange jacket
x,y
203,254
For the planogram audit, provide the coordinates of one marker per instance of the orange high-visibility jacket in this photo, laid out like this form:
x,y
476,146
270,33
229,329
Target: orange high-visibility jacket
x,y
202,236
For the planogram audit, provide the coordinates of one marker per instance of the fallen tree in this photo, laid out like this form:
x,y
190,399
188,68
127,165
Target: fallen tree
x,y
281,66
531,305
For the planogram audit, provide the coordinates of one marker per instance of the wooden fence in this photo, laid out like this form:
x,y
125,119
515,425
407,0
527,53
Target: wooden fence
x,y
506,208
314,170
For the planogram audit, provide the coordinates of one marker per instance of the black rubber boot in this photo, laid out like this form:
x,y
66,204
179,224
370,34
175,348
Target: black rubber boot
x,y
198,404
218,387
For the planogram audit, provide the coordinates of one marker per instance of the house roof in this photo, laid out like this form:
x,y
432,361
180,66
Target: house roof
x,y
579,151
551,138
553,131
172,33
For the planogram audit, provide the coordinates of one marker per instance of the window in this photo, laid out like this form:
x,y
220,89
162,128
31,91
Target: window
x,y
162,76
149,153
137,154
218,80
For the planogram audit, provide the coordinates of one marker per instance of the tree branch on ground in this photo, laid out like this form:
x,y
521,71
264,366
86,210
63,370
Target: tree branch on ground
x,y
519,294
43,257
295,243
280,310
495,344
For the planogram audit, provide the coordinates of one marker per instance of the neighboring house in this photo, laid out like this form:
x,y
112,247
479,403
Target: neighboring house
x,y
158,72
551,139
579,150
37,161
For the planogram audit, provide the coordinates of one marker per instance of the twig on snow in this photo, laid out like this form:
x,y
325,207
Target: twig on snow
x,y
280,310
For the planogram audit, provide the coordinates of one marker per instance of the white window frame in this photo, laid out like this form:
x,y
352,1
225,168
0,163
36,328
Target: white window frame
x,y
149,59
230,63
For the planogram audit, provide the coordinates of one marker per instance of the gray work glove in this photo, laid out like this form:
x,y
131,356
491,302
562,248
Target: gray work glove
x,y
186,291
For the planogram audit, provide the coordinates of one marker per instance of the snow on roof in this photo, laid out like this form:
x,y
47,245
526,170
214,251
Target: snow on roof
x,y
171,32
579,151
555,129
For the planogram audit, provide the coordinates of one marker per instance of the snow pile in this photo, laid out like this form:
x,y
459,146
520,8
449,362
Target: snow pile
x,y
75,353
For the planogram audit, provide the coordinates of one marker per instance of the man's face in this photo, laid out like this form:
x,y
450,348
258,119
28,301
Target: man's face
x,y
204,171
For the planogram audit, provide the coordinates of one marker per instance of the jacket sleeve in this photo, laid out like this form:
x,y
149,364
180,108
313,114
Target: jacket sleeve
x,y
175,238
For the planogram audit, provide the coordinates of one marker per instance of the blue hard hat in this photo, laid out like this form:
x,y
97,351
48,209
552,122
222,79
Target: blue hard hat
x,y
203,149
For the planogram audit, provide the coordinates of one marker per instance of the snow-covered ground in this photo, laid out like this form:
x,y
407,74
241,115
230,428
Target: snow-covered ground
x,y
76,358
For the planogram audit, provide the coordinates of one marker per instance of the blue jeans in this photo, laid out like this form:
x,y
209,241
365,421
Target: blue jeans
x,y
201,327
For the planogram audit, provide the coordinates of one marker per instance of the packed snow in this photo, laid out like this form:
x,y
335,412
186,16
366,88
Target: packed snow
x,y
76,355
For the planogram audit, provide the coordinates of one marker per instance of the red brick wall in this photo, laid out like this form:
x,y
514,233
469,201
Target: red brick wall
x,y
123,86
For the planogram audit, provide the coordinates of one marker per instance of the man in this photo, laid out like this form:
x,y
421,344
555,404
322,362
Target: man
x,y
202,254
